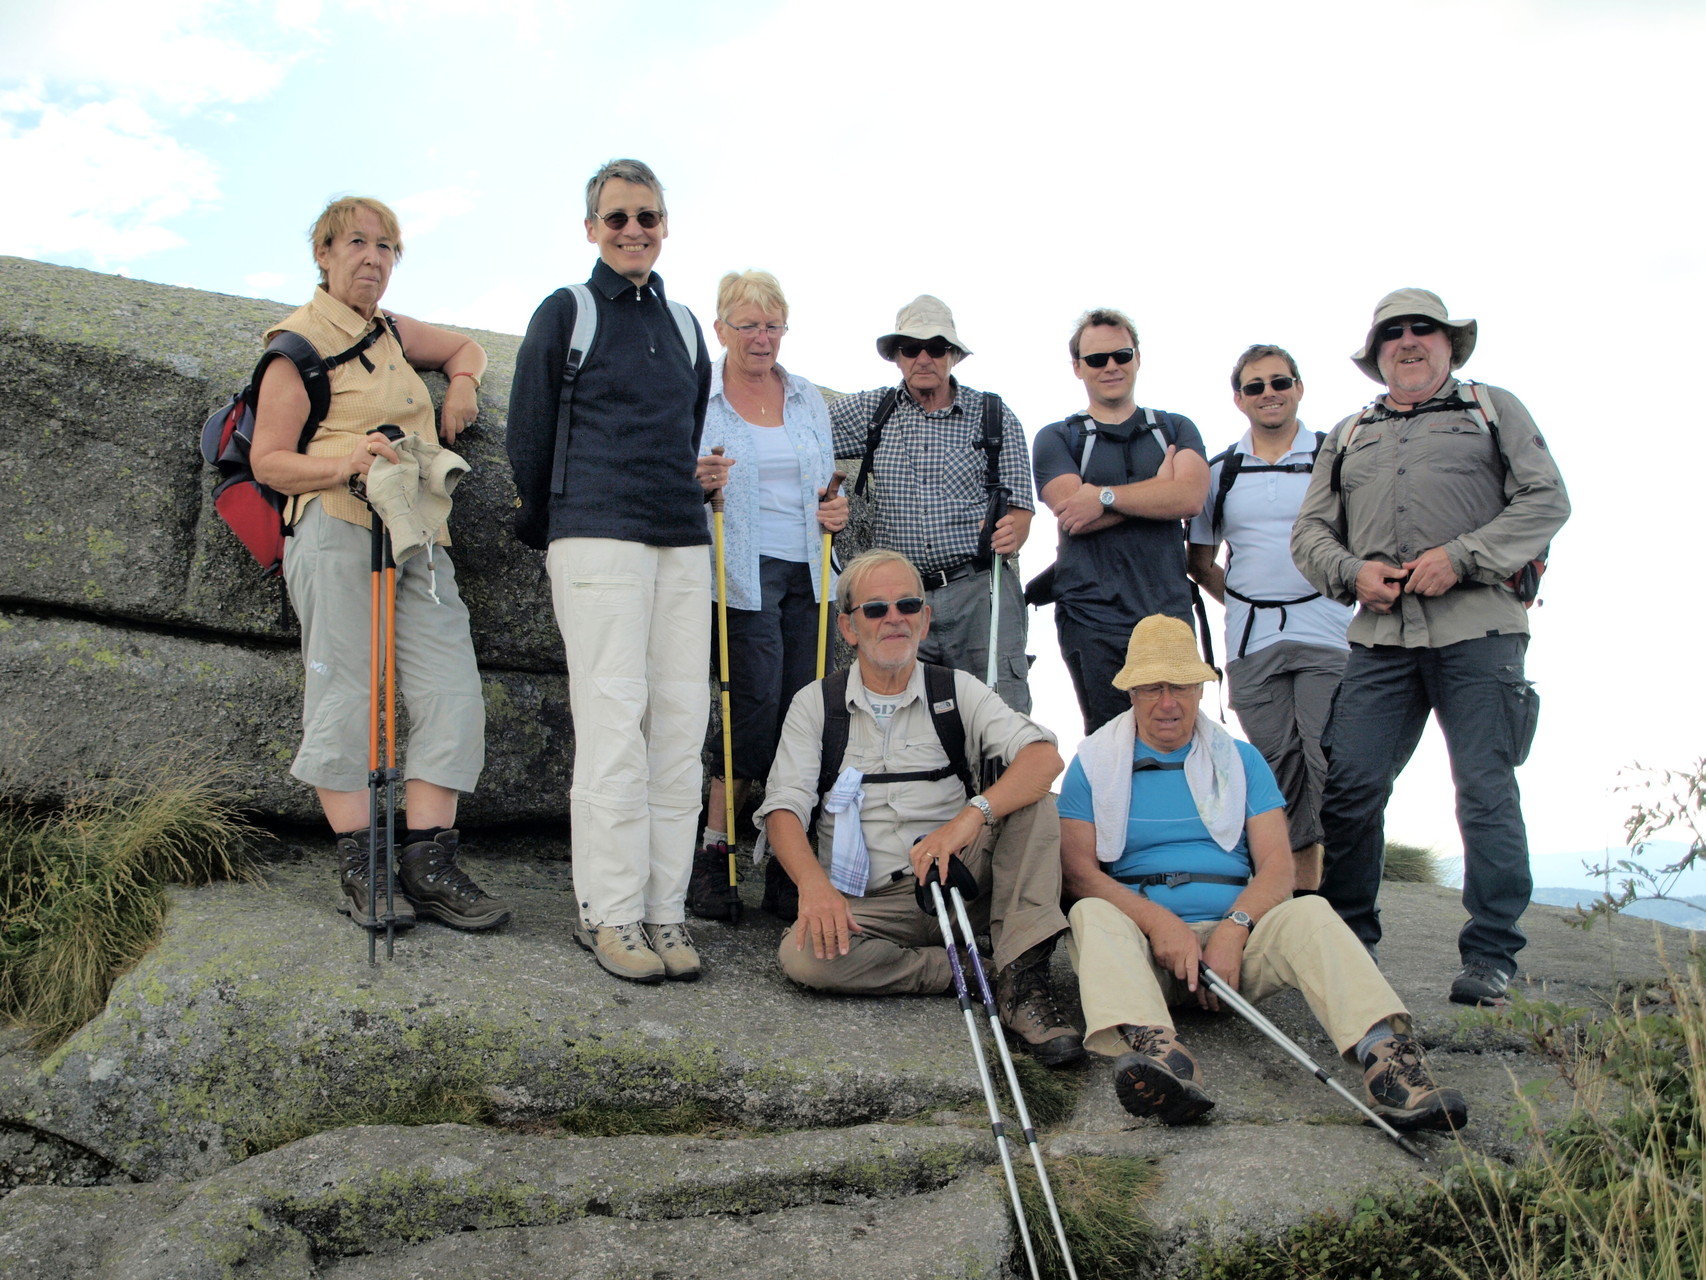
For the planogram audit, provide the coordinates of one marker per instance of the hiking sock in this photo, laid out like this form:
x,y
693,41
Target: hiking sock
x,y
1381,1030
713,838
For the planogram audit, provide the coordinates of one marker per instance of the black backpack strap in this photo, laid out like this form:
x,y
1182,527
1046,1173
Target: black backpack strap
x,y
991,442
1231,462
313,371
833,748
945,715
874,437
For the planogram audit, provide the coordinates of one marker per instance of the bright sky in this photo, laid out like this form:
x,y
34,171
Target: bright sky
x,y
1227,173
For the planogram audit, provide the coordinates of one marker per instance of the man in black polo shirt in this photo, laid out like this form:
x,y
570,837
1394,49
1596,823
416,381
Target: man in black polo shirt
x,y
1118,493
610,488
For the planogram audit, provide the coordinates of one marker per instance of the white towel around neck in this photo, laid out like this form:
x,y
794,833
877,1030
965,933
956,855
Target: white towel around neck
x,y
1213,770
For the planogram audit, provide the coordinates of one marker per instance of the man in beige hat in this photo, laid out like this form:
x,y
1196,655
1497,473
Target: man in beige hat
x,y
1428,510
888,800
1173,839
935,454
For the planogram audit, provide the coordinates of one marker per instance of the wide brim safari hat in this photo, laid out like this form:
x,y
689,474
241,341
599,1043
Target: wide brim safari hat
x,y
923,318
1162,650
1413,302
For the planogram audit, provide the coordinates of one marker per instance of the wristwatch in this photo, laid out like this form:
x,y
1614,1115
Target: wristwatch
x,y
1241,917
1107,498
983,806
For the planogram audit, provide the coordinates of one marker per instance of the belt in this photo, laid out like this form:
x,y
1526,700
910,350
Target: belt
x,y
939,578
1173,879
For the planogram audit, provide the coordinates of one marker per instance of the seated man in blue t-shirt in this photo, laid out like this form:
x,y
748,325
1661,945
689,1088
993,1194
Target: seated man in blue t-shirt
x,y
1173,839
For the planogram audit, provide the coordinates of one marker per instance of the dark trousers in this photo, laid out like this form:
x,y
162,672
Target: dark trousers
x,y
1487,711
772,656
1093,658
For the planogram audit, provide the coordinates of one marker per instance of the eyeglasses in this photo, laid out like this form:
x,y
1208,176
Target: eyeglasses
x,y
749,330
1421,328
911,349
1153,692
1099,359
906,606
618,218
1281,383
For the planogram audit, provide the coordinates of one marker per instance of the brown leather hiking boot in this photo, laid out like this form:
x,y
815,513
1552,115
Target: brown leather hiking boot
x,y
1159,1077
1025,999
442,891
1403,1093
352,879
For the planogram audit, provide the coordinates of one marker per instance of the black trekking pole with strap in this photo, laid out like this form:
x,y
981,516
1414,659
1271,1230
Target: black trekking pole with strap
x,y
1249,1013
992,515
381,728
996,1125
994,1015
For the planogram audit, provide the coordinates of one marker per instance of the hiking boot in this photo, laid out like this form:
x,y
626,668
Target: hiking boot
x,y
710,896
442,891
621,949
1481,983
1159,1077
1402,1093
352,878
674,946
781,894
1024,997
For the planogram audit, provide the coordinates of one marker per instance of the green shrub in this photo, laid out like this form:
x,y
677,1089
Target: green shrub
x,y
1411,863
82,885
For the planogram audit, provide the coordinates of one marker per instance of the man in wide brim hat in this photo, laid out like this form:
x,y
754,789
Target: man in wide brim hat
x,y
1401,304
922,319
1203,876
1429,510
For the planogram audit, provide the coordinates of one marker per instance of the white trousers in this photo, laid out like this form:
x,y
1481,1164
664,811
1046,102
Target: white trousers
x,y
636,624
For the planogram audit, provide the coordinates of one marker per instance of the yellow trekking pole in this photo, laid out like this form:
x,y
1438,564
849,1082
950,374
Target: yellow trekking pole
x,y
723,680
835,482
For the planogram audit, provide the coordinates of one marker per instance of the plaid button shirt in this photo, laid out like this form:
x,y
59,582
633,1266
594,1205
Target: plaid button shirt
x,y
928,473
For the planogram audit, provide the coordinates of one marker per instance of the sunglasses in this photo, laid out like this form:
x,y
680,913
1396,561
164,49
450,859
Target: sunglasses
x,y
1421,328
1099,360
616,220
911,349
906,606
1281,383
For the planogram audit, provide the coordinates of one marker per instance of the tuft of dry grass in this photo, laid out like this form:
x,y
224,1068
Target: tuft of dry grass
x,y
83,883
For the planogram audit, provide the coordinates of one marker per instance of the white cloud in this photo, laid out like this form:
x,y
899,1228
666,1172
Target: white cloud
x,y
102,178
265,284
423,212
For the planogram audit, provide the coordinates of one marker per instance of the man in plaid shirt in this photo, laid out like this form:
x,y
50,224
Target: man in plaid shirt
x,y
928,483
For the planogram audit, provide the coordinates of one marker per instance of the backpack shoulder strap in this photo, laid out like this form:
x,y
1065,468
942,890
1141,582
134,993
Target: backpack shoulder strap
x,y
991,442
833,750
1231,462
1165,433
945,716
874,437
582,330
1365,414
689,333
314,371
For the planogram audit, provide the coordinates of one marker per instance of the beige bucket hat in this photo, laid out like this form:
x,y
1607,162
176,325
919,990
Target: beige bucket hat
x,y
1413,302
1162,650
923,318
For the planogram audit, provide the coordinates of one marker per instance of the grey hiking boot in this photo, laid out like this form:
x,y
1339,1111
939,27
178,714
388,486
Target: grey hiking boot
x,y
710,894
352,879
622,950
442,890
1159,1077
1481,982
673,945
1025,999
1403,1093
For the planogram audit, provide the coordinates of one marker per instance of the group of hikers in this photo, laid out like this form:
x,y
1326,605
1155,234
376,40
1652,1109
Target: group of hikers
x,y
1373,573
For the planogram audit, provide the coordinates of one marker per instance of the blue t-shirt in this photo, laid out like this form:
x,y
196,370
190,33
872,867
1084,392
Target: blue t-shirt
x,y
1163,832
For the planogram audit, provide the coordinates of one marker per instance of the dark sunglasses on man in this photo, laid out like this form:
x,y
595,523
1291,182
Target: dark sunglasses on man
x,y
1099,359
1281,383
906,606
1417,325
618,218
911,348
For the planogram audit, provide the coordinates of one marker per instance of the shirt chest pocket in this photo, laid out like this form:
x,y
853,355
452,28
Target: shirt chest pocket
x,y
1361,461
1455,448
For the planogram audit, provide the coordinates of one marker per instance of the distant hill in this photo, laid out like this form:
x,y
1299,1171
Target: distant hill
x,y
1686,913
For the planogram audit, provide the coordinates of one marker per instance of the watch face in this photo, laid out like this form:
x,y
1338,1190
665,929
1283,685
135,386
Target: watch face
x,y
1107,497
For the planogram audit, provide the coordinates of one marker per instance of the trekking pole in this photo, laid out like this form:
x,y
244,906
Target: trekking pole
x,y
995,1122
382,658
1250,1014
835,482
996,510
1012,1075
733,891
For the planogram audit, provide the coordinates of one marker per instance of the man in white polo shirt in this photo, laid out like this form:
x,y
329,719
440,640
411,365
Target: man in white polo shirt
x,y
1285,642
